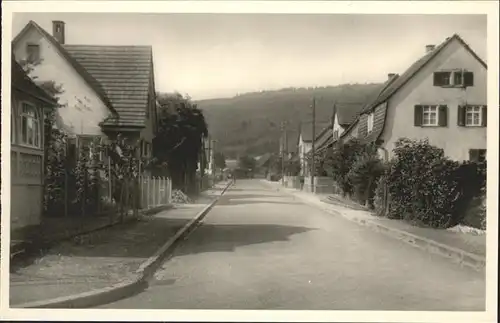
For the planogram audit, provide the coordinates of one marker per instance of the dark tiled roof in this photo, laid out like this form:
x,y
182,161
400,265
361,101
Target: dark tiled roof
x,y
347,112
23,83
124,72
306,130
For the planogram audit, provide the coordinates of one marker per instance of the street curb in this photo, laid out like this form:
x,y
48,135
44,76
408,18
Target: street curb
x,y
128,287
459,256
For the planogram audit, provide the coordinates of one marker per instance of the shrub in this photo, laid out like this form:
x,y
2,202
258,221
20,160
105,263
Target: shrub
x,y
427,188
339,162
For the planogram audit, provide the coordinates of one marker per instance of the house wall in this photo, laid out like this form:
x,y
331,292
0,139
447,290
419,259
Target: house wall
x,y
304,148
26,172
455,140
82,109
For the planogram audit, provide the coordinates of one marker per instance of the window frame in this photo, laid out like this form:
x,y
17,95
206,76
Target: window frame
x,y
453,77
36,121
479,112
369,122
28,53
435,112
90,139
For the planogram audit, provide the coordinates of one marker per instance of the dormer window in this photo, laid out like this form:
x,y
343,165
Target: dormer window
x,y
369,123
32,53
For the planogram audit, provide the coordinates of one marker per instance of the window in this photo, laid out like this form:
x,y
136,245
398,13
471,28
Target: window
x,y
30,126
477,155
458,78
472,116
32,53
370,122
89,145
430,115
442,78
335,134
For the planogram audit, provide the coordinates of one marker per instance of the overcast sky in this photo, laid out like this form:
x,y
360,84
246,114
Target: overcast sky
x,y
216,55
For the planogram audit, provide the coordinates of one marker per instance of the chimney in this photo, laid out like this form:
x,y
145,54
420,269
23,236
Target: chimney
x,y
390,75
58,31
429,48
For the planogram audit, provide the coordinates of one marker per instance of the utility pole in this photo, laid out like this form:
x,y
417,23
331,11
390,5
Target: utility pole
x,y
282,153
313,143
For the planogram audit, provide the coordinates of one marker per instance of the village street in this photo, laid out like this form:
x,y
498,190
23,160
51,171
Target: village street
x,y
260,248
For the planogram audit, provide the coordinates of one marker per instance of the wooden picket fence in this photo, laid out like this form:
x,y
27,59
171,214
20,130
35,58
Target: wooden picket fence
x,y
155,191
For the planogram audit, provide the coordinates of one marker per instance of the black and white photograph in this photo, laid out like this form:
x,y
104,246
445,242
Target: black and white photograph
x,y
247,160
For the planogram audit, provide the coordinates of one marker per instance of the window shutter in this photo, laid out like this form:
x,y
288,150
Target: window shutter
x,y
418,114
443,116
468,79
436,79
461,116
484,116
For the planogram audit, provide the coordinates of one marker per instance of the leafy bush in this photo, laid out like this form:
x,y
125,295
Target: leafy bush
x,y
379,195
364,174
427,188
55,169
339,161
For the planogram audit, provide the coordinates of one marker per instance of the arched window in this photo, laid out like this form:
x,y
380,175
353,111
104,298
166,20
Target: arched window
x,y
30,126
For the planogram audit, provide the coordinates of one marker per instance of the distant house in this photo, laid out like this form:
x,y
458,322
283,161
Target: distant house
x,y
106,90
344,114
288,144
305,139
28,105
441,97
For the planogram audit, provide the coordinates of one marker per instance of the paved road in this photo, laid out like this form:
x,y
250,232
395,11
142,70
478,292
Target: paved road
x,y
260,248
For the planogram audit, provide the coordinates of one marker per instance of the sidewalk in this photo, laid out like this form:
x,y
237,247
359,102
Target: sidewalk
x,y
466,244
102,258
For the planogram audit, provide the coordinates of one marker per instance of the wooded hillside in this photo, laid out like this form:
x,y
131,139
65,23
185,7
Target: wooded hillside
x,y
250,123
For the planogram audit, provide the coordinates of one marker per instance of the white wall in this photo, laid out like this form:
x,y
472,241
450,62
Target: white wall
x,y
455,140
55,68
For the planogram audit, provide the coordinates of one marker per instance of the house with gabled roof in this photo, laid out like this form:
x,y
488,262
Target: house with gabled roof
x,y
304,142
441,97
106,90
343,115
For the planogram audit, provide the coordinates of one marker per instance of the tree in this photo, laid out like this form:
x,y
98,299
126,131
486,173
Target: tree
x,y
219,160
179,140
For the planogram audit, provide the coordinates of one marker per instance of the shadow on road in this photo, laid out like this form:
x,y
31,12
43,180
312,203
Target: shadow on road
x,y
226,238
